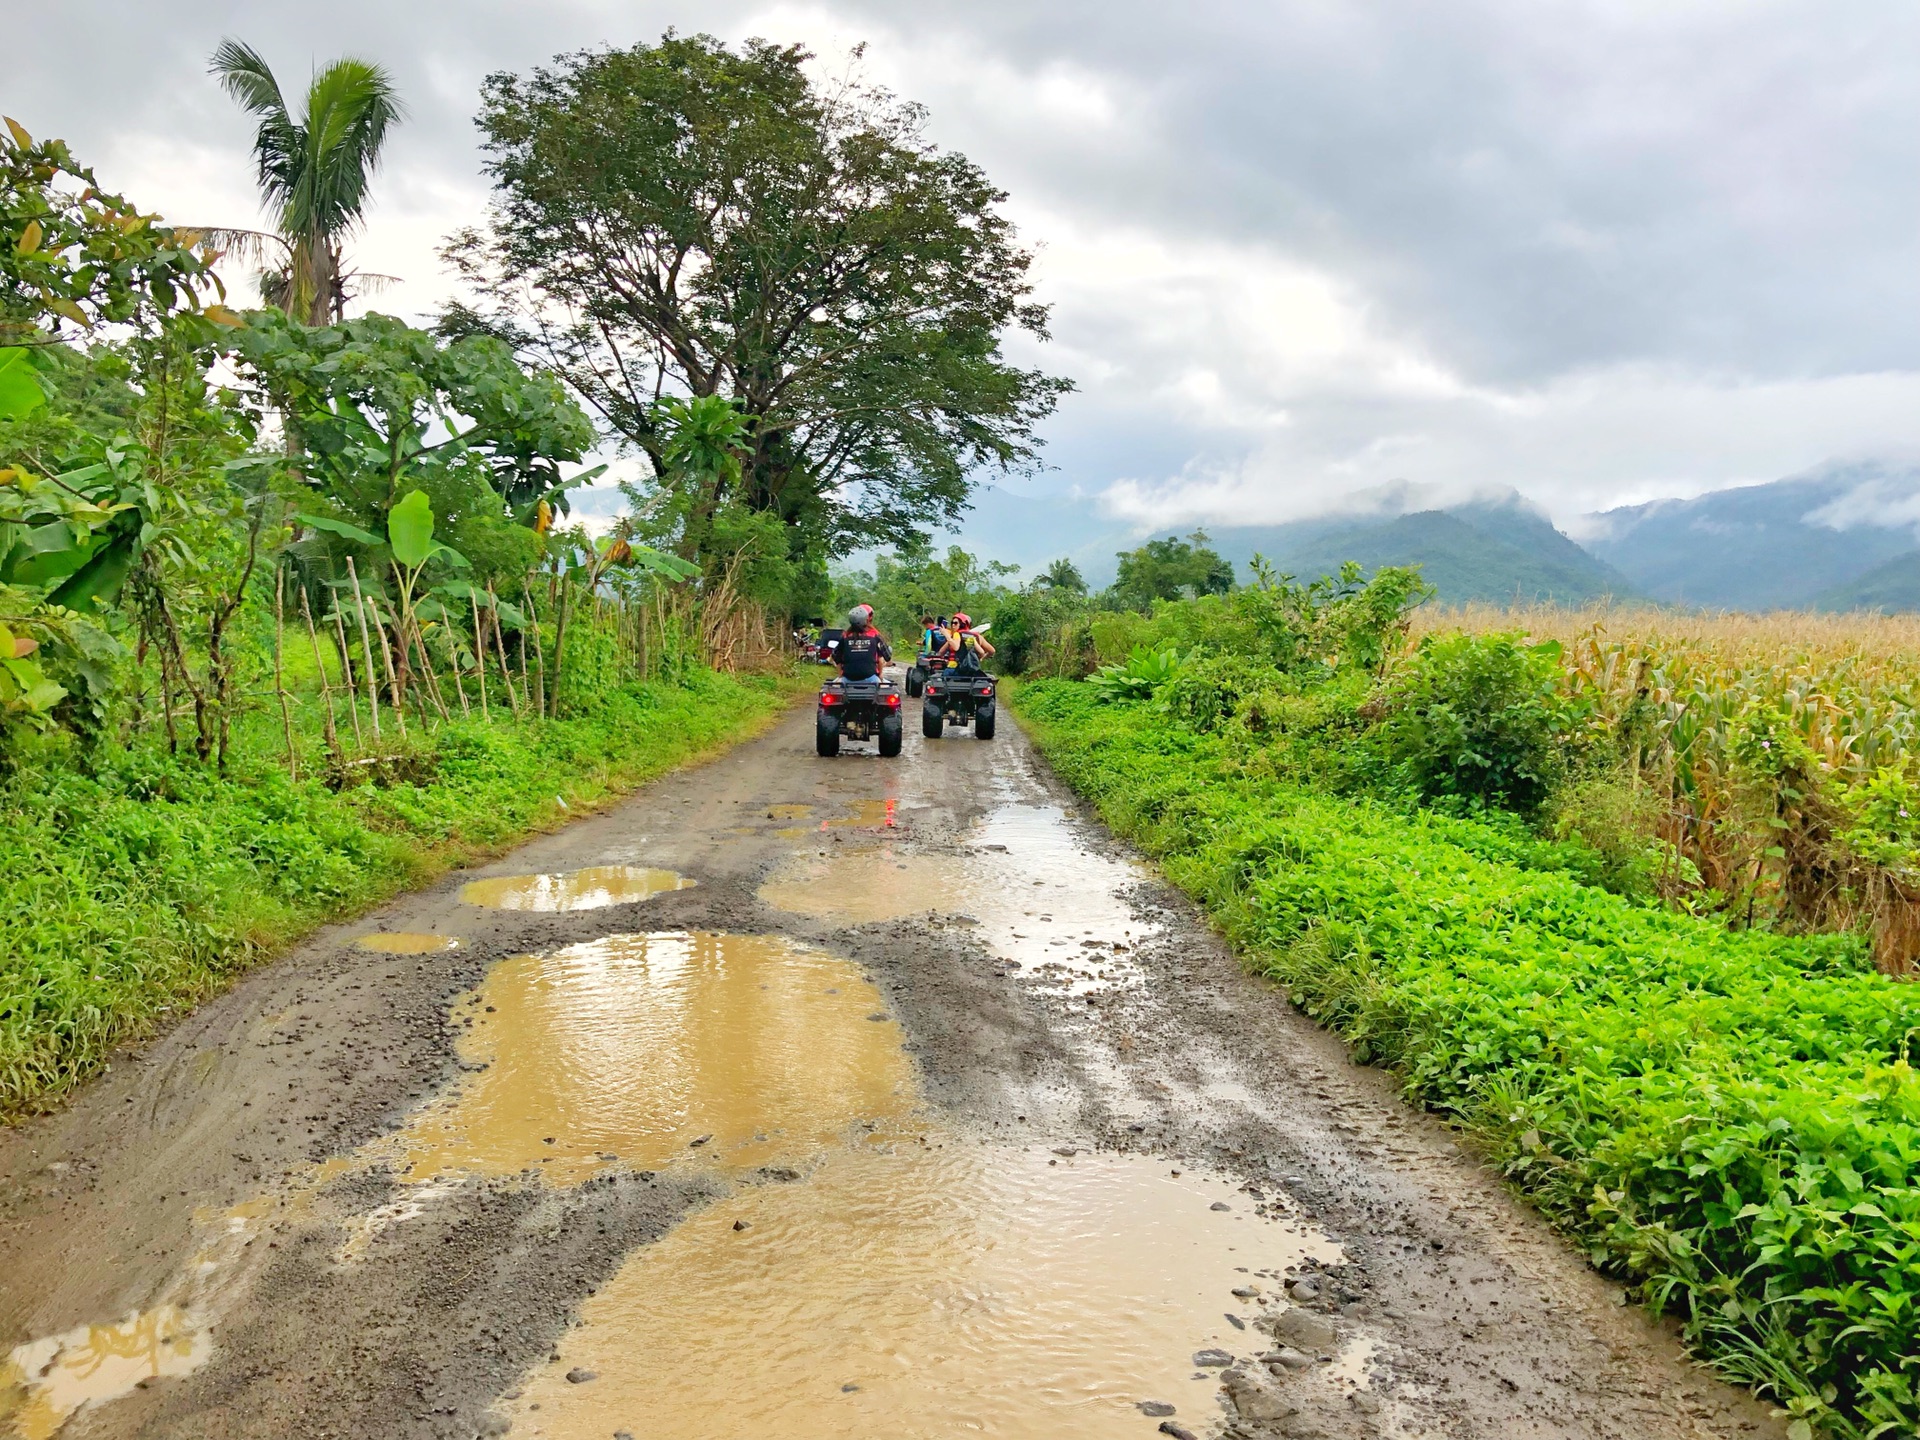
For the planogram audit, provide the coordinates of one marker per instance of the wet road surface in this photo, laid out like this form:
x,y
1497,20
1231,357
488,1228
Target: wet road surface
x,y
797,1097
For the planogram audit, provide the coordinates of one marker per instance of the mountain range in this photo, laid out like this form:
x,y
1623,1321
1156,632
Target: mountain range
x,y
1840,537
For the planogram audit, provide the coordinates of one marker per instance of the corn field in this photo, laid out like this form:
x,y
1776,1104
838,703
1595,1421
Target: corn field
x,y
1778,755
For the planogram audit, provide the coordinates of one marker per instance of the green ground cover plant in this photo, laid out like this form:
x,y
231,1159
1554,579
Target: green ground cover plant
x,y
1728,1121
144,881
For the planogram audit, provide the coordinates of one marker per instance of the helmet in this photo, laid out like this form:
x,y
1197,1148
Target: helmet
x,y
962,621
859,617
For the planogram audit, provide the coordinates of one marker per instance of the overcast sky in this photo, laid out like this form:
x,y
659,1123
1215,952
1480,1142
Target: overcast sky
x,y
1599,251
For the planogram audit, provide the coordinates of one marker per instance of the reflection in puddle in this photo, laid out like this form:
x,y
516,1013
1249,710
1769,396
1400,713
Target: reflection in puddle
x,y
407,942
45,1382
751,1050
789,812
588,889
1041,898
922,1289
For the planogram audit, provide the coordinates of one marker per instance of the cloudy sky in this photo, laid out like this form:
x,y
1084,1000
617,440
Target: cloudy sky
x,y
1600,252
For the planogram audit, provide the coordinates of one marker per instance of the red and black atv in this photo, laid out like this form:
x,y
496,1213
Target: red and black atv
x,y
858,710
926,663
958,695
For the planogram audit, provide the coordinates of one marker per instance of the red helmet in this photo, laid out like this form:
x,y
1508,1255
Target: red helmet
x,y
963,621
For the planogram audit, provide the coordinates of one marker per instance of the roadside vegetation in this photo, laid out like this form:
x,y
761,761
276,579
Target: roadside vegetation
x,y
1626,896
294,611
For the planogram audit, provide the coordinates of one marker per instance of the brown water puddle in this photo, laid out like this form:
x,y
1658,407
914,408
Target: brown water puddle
x,y
934,1286
407,942
737,1050
1041,899
865,815
589,889
45,1382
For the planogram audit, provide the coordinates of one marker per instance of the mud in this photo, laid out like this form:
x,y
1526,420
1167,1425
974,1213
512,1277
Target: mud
x,y
592,888
325,1203
407,942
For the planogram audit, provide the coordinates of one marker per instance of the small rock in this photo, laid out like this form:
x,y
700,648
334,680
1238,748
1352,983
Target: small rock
x,y
848,1388
1366,1404
1236,1321
1305,1289
740,1225
1255,1396
1246,1292
1211,1359
58,1168
1154,1409
1288,1358
877,1015
495,1425
546,1139
1220,1205
1306,1330
696,1144
1178,1432
577,1376
623,1435
1066,1152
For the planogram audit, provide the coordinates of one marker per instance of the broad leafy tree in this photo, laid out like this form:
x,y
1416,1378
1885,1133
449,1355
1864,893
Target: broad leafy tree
x,y
1170,569
688,219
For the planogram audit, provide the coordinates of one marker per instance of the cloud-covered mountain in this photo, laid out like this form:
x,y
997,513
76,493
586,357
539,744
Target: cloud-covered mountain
x,y
1804,541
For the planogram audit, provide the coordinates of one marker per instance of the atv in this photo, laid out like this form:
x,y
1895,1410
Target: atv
x,y
924,664
858,710
958,697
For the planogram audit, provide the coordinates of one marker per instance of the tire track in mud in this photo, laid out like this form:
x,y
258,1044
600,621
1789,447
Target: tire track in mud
x,y
1070,1030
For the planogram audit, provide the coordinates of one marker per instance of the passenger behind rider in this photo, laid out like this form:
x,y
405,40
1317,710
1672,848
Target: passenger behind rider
x,y
965,648
862,650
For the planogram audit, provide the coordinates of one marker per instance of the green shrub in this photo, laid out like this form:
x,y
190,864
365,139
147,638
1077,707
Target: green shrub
x,y
1480,719
1730,1122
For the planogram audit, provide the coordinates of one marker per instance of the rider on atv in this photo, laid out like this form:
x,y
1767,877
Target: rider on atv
x,y
863,650
965,647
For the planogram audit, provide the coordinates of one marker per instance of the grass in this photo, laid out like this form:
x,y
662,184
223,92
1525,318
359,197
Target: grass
x,y
138,886
1729,1122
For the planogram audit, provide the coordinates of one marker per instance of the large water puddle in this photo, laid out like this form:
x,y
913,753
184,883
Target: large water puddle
x,y
644,1049
45,1382
929,1287
590,889
1039,897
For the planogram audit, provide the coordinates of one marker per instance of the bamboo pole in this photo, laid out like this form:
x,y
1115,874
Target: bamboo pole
x,y
279,673
320,664
432,686
366,648
395,697
453,659
480,654
539,652
500,643
346,665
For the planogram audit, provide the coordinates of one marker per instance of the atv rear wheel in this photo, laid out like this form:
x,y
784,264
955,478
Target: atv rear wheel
x,y
983,722
826,734
930,720
916,681
891,728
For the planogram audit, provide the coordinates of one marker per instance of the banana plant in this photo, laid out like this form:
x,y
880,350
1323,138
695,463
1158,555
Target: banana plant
x,y
410,537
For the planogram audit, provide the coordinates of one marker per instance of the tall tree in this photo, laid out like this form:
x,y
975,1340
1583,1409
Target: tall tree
x,y
1168,569
689,219
314,171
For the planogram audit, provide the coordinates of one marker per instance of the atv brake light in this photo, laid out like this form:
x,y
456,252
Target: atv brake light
x,y
893,702
987,690
829,699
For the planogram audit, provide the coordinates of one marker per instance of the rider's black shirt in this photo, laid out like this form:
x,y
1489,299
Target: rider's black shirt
x,y
861,653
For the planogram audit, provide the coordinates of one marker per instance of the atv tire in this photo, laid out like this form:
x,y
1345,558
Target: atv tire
x,y
891,728
916,681
826,735
930,720
983,723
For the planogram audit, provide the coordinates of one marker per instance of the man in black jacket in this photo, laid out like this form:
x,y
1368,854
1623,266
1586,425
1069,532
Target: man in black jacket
x,y
862,650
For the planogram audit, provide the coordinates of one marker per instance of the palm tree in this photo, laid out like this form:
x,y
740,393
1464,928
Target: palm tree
x,y
314,172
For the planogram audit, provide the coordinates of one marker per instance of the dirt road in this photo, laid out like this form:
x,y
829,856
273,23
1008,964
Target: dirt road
x,y
794,1097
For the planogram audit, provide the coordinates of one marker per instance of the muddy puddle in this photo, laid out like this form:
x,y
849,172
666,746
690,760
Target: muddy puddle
x,y
590,889
46,1382
407,942
645,1049
1040,899
928,1286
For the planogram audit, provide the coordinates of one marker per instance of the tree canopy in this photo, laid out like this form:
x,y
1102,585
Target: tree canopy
x,y
1170,569
691,219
